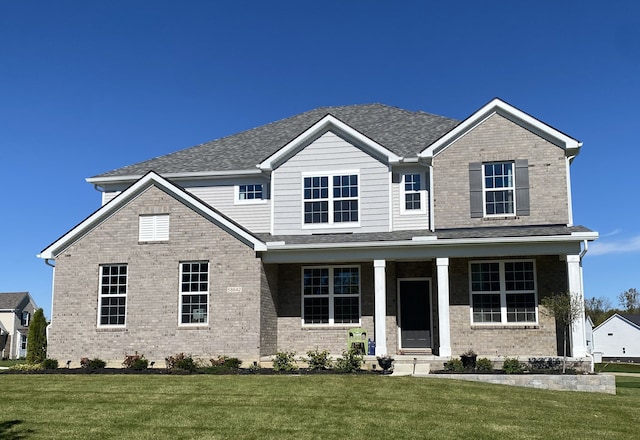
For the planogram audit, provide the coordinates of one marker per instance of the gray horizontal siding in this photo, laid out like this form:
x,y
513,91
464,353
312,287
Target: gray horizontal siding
x,y
330,154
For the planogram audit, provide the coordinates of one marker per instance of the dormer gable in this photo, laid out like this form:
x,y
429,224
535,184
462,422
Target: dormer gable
x,y
328,123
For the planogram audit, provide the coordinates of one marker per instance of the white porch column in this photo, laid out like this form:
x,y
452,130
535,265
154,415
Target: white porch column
x,y
380,289
443,306
578,338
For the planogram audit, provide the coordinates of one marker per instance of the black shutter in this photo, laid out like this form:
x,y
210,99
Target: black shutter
x,y
522,187
475,189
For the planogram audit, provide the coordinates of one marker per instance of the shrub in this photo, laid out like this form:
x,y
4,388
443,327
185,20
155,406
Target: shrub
x,y
512,365
285,361
484,364
26,367
350,362
92,364
454,365
135,362
318,360
552,364
49,364
226,362
181,362
37,338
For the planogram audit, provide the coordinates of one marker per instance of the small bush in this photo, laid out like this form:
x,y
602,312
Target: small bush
x,y
350,362
49,364
226,362
26,367
285,361
181,362
512,365
92,364
484,364
135,362
454,365
318,360
551,364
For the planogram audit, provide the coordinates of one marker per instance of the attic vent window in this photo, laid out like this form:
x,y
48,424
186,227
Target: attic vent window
x,y
154,227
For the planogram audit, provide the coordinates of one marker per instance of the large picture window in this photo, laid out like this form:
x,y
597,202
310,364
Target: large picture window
x,y
330,199
194,292
113,294
331,295
503,291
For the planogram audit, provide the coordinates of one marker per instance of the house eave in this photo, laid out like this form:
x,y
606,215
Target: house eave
x,y
110,180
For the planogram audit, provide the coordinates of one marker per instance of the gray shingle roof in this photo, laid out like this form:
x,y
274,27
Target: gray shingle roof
x,y
443,234
631,317
402,131
13,300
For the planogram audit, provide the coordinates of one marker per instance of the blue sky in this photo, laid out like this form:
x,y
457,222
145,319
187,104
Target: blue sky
x,y
86,87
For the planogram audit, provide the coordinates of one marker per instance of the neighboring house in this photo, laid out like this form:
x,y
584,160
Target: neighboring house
x,y
16,311
433,235
618,338
588,334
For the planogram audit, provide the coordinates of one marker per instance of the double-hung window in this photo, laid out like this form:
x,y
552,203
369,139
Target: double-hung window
x,y
113,294
412,189
331,199
25,319
194,292
331,295
499,188
503,291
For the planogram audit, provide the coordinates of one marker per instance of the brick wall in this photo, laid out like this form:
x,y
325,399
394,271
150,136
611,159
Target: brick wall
x,y
153,288
498,139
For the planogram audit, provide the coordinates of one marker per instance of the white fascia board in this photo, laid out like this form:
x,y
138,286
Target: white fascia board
x,y
122,199
175,176
569,144
327,123
434,241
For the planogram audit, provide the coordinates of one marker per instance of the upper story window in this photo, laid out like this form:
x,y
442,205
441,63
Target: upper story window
x,y
503,291
499,189
153,227
413,189
250,193
331,199
113,295
194,292
26,318
331,295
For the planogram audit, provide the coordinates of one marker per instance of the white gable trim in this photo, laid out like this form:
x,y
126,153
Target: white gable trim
x,y
325,124
151,178
497,106
621,318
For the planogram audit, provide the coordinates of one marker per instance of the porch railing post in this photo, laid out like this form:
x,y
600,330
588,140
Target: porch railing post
x,y
380,290
443,307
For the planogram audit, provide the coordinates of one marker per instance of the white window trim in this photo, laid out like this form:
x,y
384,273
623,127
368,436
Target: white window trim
x,y
331,297
404,192
330,224
181,294
238,201
503,295
153,227
511,188
101,295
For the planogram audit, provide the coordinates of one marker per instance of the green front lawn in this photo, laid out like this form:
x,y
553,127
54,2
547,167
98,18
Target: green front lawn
x,y
11,363
303,407
617,367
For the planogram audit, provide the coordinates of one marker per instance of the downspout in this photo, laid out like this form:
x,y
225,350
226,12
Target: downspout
x,y
53,283
584,251
432,225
